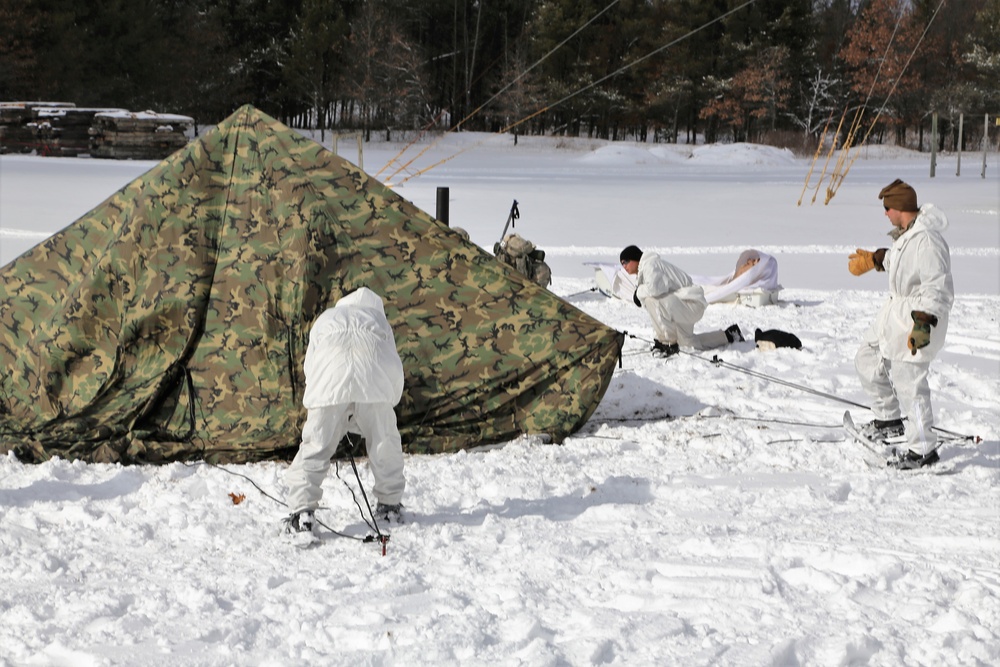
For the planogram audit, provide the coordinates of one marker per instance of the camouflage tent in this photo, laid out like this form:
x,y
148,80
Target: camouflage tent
x,y
170,322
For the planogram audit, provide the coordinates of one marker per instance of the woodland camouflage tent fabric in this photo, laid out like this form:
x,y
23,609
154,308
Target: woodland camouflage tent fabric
x,y
171,322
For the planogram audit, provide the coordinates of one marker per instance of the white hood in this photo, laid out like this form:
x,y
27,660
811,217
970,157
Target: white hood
x,y
352,355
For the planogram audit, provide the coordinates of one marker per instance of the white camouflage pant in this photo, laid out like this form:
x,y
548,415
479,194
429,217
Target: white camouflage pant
x,y
674,319
898,389
323,431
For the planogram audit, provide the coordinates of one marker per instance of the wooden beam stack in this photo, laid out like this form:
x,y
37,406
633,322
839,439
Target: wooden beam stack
x,y
144,135
20,130
65,132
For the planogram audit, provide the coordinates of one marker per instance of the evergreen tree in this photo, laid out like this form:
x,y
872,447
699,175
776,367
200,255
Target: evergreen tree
x,y
980,53
20,23
667,65
315,65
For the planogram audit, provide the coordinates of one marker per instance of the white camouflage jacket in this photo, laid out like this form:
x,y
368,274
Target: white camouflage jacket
x,y
919,268
352,355
668,293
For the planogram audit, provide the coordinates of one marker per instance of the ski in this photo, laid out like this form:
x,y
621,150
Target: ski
x,y
853,432
883,450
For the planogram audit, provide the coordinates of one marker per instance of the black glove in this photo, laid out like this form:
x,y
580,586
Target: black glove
x,y
878,257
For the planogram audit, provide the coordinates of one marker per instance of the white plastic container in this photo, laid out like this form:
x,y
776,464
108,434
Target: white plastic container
x,y
758,297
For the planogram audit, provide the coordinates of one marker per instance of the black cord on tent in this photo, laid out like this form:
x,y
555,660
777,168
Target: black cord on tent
x,y
716,361
368,538
380,537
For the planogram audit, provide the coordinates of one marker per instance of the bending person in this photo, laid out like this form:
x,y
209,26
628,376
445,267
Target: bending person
x,y
354,378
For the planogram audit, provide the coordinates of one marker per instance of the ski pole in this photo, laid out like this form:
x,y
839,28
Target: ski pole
x,y
716,361
719,362
511,217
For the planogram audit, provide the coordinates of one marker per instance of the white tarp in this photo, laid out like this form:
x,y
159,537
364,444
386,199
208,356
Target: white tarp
x,y
761,276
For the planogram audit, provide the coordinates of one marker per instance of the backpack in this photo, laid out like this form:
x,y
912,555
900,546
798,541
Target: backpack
x,y
522,254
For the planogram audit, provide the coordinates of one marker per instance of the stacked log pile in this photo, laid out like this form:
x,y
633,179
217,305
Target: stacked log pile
x,y
20,129
62,129
145,135
65,132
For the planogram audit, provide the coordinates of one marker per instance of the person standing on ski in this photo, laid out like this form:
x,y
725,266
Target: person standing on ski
x,y
910,328
354,378
674,303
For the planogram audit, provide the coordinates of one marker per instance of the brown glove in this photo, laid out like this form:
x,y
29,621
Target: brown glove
x,y
863,261
920,336
860,262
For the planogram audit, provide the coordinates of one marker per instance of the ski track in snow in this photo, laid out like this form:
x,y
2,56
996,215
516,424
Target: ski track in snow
x,y
702,516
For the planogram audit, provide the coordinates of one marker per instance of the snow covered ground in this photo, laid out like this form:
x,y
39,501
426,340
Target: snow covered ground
x,y
704,516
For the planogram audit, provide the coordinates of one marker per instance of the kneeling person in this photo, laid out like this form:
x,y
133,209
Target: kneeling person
x,y
674,303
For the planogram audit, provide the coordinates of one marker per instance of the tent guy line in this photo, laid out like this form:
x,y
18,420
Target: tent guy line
x,y
583,89
487,102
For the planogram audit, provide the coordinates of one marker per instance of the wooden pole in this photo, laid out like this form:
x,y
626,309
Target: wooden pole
x,y
933,143
961,122
986,140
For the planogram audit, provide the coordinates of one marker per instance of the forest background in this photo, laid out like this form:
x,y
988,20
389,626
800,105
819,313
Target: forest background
x,y
779,72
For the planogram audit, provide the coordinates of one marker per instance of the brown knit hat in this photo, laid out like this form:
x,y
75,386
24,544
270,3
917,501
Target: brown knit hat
x,y
900,196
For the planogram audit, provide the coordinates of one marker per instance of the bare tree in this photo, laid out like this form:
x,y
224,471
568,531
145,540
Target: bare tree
x,y
818,103
312,66
384,76
518,93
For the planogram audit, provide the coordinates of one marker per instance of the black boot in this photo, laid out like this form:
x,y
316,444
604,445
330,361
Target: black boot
x,y
734,334
664,350
910,460
299,522
879,430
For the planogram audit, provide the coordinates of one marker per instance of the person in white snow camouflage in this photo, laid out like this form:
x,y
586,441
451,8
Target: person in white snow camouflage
x,y
674,303
354,378
910,328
